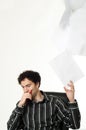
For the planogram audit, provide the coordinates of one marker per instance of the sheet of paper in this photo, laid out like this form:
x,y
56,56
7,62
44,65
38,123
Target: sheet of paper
x,y
66,68
74,20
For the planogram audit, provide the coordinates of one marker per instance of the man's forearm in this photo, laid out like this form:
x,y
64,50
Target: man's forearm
x,y
15,119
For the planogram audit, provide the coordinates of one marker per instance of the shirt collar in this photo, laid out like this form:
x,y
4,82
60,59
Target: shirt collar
x,y
45,96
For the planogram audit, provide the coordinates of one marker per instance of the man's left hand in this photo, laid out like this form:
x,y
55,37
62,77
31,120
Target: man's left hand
x,y
70,91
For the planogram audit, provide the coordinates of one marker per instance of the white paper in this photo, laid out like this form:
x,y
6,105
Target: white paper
x,y
66,68
70,7
74,20
75,4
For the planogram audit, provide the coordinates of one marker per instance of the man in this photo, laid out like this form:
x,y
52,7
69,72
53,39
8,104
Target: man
x,y
38,111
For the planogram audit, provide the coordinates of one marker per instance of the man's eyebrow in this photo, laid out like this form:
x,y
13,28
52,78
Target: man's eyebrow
x,y
26,85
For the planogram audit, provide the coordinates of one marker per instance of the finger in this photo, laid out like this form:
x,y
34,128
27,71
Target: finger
x,y
66,89
30,91
71,84
29,96
71,81
71,88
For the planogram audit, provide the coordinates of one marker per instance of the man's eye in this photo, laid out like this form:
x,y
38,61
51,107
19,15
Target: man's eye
x,y
28,85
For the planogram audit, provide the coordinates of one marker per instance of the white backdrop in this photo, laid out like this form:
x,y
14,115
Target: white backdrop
x,y
26,30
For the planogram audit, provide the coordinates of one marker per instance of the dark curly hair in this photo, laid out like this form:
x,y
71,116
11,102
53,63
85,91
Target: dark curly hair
x,y
31,75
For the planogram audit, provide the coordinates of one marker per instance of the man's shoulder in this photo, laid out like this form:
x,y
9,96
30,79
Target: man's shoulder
x,y
57,95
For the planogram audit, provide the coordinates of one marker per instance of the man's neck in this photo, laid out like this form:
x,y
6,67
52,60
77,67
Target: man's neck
x,y
39,97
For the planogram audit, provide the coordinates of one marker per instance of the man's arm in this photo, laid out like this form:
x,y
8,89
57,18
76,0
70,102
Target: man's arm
x,y
15,121
68,114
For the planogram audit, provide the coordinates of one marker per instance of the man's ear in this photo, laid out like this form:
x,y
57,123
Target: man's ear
x,y
37,84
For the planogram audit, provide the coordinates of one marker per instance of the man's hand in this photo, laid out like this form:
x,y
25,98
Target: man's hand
x,y
25,96
70,91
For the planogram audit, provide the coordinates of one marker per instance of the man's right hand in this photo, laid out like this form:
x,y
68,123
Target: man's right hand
x,y
25,96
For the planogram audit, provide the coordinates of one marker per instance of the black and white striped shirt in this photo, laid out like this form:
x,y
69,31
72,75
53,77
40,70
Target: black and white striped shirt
x,y
48,114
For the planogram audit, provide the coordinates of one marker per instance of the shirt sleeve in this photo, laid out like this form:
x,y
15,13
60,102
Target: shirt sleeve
x,y
15,121
68,113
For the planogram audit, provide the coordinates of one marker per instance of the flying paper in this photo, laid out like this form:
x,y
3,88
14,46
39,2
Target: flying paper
x,y
66,68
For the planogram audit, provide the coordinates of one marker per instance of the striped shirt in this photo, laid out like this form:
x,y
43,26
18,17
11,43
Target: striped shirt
x,y
48,114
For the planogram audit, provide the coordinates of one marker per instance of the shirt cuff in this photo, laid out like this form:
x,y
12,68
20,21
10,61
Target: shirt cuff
x,y
19,110
73,105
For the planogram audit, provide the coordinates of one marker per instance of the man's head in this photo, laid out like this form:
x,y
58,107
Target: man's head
x,y
30,81
30,75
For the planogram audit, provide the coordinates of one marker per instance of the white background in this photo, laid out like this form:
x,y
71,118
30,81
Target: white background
x,y
26,31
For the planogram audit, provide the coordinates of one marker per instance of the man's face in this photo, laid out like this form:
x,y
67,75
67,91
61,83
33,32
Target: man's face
x,y
30,87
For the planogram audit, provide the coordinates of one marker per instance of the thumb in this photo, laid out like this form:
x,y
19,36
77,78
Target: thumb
x,y
65,89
